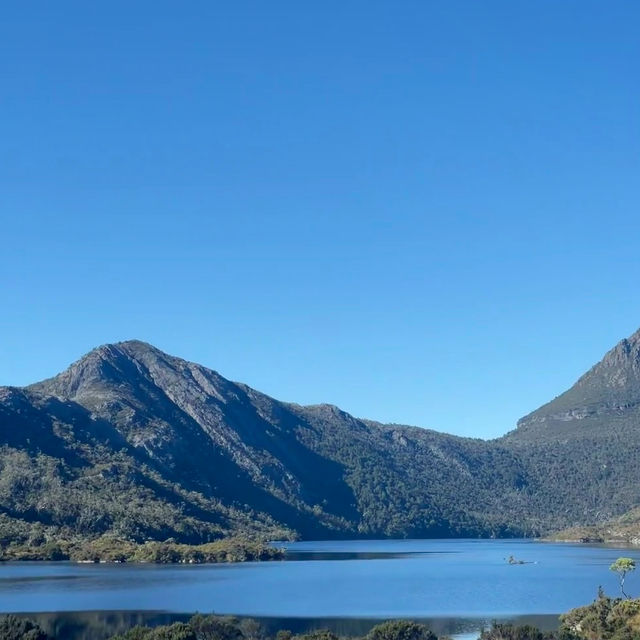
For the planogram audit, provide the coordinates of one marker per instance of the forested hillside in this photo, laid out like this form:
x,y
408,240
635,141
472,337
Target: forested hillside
x,y
132,443
622,530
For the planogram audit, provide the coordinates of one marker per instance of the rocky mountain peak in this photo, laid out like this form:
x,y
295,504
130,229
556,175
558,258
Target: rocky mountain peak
x,y
623,360
129,364
605,399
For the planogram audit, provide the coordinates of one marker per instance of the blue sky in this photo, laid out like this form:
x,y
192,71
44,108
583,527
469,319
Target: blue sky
x,y
423,212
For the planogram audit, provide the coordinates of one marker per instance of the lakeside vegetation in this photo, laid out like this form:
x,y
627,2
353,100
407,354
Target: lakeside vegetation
x,y
105,549
606,618
623,530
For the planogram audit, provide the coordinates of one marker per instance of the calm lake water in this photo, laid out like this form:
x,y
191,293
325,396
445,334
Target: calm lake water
x,y
421,579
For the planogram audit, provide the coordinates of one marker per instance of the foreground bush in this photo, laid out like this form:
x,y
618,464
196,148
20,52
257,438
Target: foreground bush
x,y
523,632
14,628
176,631
401,630
604,619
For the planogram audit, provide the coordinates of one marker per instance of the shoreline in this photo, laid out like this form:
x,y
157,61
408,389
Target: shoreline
x,y
114,551
238,550
109,621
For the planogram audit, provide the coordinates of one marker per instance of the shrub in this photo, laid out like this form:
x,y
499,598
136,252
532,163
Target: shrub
x,y
513,632
15,628
401,630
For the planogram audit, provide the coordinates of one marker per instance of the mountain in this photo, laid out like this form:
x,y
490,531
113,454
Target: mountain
x,y
231,457
134,443
605,399
586,442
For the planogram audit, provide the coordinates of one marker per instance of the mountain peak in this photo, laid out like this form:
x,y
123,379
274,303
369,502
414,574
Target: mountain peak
x,y
625,355
129,348
106,366
605,398
135,346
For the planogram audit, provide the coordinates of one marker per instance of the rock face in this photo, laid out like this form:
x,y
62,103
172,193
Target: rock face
x,y
605,399
133,442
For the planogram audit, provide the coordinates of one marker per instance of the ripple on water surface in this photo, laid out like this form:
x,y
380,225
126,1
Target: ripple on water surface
x,y
340,579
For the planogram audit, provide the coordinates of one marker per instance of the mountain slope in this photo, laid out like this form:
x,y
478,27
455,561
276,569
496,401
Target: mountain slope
x,y
64,472
584,446
132,442
607,397
315,469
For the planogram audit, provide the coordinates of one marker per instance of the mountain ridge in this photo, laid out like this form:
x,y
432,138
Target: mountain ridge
x,y
204,457
611,388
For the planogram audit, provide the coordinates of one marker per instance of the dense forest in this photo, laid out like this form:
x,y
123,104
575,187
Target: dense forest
x,y
131,446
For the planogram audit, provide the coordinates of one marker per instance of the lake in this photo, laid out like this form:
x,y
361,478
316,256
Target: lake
x,y
465,582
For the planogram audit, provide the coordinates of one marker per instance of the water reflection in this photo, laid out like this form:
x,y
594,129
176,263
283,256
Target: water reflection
x,y
101,625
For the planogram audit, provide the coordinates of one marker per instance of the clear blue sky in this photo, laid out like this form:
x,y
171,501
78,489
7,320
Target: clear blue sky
x,y
423,212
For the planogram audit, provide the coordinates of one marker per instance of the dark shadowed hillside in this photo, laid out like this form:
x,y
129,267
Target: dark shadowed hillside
x,y
134,443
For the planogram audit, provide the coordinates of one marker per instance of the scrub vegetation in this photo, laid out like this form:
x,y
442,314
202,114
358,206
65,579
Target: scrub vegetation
x,y
605,619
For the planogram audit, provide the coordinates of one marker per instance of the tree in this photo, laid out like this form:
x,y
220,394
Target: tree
x,y
400,630
622,566
14,628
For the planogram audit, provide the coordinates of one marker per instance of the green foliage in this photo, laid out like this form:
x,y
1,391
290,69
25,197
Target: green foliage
x,y
513,632
216,628
605,619
227,550
623,566
199,627
317,634
176,631
15,628
233,549
228,628
401,630
50,510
